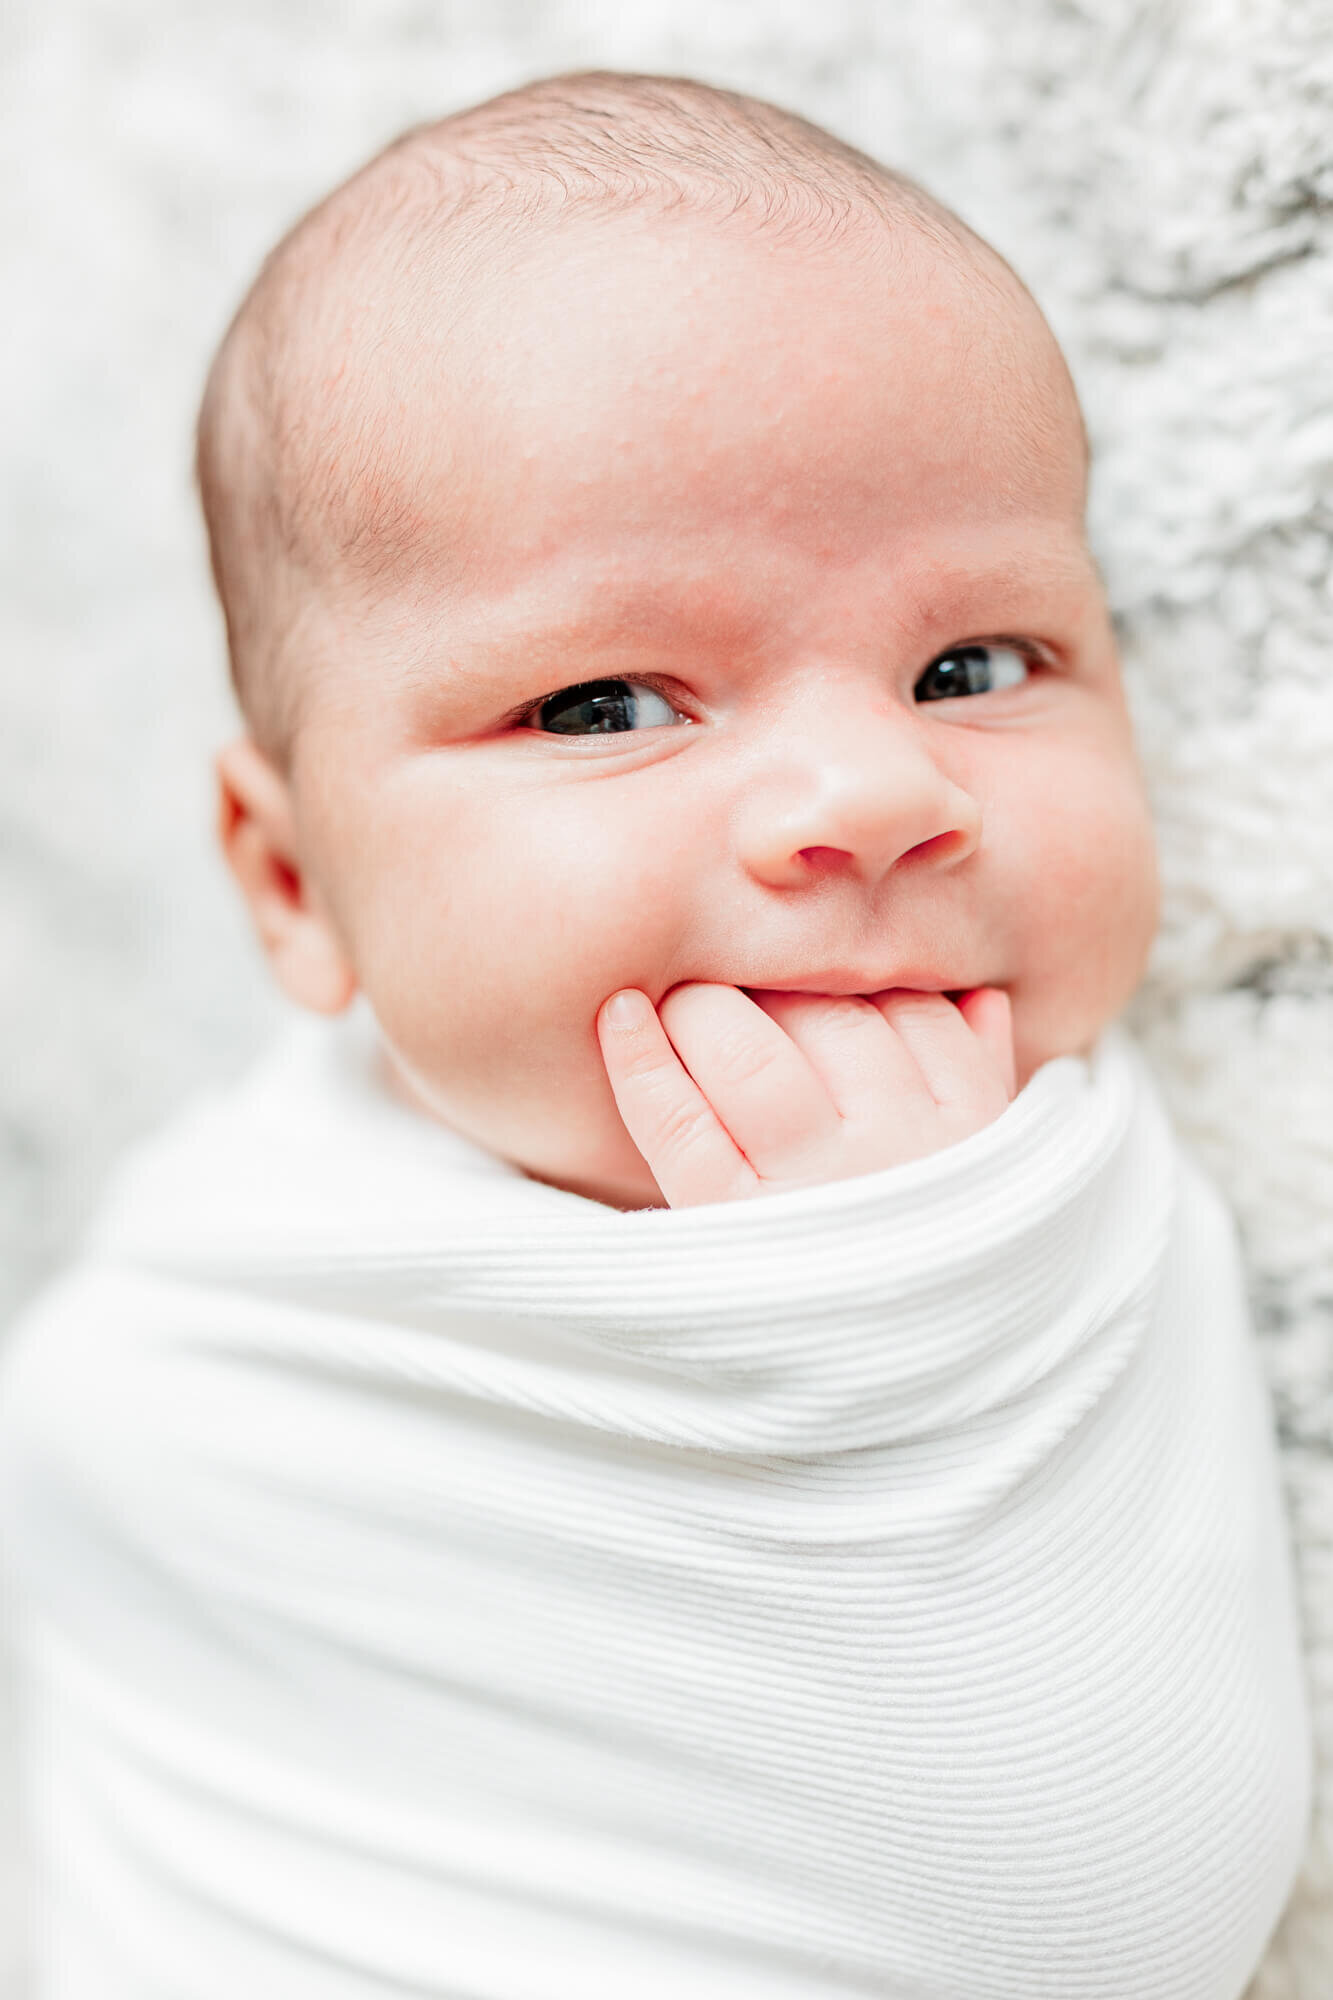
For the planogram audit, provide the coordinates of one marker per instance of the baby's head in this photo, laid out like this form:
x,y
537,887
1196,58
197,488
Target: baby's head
x,y
651,539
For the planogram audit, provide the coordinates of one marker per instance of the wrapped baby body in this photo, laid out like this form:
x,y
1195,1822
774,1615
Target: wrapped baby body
x,y
434,1583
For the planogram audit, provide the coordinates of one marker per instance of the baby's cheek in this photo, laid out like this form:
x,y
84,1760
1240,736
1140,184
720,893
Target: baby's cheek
x,y
490,977
1088,919
1117,894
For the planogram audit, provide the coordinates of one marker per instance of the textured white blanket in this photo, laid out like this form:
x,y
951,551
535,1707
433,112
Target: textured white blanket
x,y
441,1584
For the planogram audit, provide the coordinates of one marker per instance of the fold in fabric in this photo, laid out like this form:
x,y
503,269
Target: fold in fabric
x,y
437,1583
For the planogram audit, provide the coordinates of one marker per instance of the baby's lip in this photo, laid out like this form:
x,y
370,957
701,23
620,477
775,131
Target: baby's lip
x,y
858,985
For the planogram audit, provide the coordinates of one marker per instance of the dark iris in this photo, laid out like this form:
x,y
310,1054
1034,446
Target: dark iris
x,y
591,708
966,670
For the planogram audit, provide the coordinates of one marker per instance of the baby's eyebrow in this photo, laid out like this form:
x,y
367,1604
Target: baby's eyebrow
x,y
1015,573
689,607
487,638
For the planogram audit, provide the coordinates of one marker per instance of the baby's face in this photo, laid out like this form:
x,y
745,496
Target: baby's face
x,y
743,631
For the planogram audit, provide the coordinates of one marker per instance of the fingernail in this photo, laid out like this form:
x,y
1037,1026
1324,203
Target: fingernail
x,y
624,1010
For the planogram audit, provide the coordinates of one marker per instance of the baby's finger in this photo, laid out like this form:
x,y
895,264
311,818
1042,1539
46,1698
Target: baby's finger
x,y
990,1016
758,1082
688,1150
955,1066
861,1063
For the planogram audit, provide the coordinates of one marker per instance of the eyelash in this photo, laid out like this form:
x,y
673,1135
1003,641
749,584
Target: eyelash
x,y
1036,656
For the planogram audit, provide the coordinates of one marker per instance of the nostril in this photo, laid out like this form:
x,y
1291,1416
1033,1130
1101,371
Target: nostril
x,y
822,859
941,846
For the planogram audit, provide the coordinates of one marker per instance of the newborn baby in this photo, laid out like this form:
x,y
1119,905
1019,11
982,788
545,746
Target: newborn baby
x,y
700,1434
649,594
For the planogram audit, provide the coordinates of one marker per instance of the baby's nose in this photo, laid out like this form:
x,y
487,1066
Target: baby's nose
x,y
855,799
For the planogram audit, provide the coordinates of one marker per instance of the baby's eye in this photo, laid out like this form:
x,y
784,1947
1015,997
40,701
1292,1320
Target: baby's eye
x,y
597,707
972,670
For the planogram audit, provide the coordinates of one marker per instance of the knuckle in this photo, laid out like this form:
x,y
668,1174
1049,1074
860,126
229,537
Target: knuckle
x,y
683,1126
741,1059
645,1065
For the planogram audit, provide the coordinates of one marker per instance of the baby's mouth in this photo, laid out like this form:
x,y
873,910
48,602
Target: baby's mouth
x,y
835,987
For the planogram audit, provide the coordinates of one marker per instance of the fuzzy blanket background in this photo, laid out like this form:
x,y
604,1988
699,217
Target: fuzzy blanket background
x,y
1161,171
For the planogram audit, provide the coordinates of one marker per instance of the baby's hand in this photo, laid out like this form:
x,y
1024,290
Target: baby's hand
x,y
727,1095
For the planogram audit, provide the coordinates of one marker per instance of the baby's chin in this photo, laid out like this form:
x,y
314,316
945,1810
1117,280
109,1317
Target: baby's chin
x,y
608,1168
1037,1042
596,1159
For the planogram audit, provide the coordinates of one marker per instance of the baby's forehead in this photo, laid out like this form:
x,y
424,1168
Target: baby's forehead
x,y
415,364
434,225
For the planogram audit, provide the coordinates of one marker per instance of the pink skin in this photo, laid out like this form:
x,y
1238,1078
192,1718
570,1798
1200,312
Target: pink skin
x,y
784,1090
770,485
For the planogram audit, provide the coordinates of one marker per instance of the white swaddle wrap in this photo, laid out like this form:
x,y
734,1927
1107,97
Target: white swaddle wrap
x,y
439,1584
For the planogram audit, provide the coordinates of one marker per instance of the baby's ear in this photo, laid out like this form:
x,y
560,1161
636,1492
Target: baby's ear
x,y
257,830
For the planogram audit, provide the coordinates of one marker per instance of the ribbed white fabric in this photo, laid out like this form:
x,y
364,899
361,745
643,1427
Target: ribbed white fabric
x,y
440,1584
